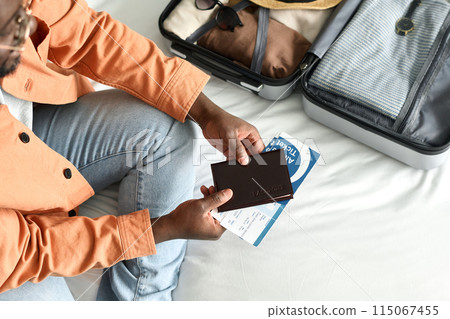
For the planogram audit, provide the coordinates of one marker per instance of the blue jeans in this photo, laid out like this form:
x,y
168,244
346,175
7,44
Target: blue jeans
x,y
111,137
52,288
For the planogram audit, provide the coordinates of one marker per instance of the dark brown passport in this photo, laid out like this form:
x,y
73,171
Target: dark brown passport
x,y
255,183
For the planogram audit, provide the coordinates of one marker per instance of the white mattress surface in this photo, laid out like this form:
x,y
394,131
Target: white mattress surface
x,y
362,226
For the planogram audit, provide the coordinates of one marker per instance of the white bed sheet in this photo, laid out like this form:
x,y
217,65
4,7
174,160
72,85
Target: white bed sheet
x,y
362,226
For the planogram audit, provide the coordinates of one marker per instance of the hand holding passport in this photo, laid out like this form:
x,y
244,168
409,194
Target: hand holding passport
x,y
264,180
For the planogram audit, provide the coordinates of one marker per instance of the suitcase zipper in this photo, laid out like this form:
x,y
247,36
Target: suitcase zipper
x,y
429,73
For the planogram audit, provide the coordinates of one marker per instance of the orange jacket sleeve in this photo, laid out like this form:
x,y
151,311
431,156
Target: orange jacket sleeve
x,y
36,246
95,45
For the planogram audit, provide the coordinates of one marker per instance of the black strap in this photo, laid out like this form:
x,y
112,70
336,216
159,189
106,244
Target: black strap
x,y
412,7
261,40
197,34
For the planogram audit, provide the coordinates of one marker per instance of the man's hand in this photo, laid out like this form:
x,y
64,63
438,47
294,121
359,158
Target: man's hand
x,y
192,219
234,137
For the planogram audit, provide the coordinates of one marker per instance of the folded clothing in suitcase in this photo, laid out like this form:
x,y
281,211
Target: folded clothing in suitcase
x,y
271,74
385,80
284,50
372,65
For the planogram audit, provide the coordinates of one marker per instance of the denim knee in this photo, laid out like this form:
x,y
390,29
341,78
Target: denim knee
x,y
183,135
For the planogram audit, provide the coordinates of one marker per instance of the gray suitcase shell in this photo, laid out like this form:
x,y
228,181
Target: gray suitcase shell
x,y
421,144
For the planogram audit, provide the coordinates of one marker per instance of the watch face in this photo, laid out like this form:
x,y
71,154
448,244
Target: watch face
x,y
404,25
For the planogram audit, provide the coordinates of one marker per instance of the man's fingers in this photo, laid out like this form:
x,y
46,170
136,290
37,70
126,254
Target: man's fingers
x,y
204,190
207,191
241,154
254,143
217,199
258,145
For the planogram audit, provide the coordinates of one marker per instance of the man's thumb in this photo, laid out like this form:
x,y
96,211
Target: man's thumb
x,y
217,199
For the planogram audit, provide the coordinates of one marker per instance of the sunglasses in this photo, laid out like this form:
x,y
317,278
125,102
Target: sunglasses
x,y
21,18
226,17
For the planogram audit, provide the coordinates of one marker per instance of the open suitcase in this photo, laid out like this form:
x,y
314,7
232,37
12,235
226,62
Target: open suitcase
x,y
224,68
414,129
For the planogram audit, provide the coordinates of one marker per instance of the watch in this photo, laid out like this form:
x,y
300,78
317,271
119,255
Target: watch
x,y
405,24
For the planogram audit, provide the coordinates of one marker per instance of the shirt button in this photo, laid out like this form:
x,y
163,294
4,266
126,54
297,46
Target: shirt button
x,y
24,137
72,213
68,173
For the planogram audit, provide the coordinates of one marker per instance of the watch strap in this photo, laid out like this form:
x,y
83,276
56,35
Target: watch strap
x,y
412,7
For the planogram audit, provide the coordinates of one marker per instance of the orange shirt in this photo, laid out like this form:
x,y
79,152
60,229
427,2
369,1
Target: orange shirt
x,y
37,236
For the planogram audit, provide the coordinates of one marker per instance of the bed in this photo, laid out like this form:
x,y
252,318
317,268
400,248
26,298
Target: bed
x,y
362,226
